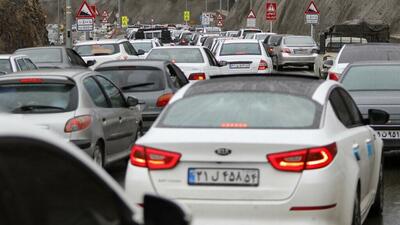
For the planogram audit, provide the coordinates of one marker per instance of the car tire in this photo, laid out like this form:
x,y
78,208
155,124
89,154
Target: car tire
x,y
98,154
356,209
377,206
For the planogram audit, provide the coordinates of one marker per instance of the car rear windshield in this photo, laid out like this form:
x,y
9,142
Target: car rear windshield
x,y
43,55
183,55
366,78
145,46
97,49
243,110
298,41
261,37
245,32
136,78
5,66
352,54
241,49
37,98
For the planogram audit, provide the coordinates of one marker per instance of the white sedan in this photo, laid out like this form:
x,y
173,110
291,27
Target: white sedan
x,y
244,56
196,62
262,150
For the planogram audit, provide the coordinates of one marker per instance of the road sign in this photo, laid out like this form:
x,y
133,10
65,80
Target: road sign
x,y
251,19
186,16
312,18
85,24
219,17
271,11
104,14
94,10
105,20
205,19
124,21
220,23
312,9
85,12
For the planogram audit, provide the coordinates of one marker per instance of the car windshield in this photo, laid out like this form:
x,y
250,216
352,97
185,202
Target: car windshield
x,y
5,66
145,46
97,49
377,78
274,39
241,49
37,98
261,37
177,55
242,109
43,55
299,41
246,32
352,54
135,78
186,36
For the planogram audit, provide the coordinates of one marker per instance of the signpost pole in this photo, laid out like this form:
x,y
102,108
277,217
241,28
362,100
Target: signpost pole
x,y
68,26
270,26
312,30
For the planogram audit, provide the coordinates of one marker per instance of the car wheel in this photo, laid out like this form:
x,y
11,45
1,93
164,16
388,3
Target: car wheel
x,y
377,207
356,211
98,155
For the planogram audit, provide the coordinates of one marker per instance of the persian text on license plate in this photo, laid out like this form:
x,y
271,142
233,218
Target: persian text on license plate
x,y
239,66
227,177
389,134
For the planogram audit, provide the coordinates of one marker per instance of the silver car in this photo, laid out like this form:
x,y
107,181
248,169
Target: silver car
x,y
295,51
81,106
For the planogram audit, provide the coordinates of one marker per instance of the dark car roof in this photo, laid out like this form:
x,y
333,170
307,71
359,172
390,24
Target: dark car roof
x,y
295,85
139,62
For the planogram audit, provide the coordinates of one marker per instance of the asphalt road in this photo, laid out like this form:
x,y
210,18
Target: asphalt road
x,y
391,212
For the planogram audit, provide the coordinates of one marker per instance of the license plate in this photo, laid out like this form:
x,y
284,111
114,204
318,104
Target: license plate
x,y
301,51
223,177
239,66
388,134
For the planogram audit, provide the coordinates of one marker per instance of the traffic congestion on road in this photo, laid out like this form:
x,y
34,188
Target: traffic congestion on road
x,y
192,124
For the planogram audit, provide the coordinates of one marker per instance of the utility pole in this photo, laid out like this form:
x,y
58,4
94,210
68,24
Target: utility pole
x,y
68,26
251,4
206,6
58,21
220,6
119,14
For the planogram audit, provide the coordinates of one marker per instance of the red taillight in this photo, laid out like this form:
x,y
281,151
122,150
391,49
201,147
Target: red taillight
x,y
197,76
270,50
263,65
31,81
286,50
304,159
333,76
153,159
78,123
164,99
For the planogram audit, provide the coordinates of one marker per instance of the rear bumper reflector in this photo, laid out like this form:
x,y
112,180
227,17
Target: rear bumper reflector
x,y
311,208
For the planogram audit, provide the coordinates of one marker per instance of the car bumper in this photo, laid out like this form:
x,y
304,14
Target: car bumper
x,y
290,59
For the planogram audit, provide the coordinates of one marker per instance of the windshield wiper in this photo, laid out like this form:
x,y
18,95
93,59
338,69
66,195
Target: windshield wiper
x,y
136,85
26,108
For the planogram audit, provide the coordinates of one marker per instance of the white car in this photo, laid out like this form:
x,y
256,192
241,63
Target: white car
x,y
244,56
145,45
262,150
196,62
15,63
258,36
106,50
243,32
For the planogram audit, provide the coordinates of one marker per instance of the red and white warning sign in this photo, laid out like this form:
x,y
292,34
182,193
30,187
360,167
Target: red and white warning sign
x,y
251,15
220,23
85,11
104,14
271,11
251,19
312,9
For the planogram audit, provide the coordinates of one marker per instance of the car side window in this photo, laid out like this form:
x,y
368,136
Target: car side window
x,y
177,79
340,108
75,58
115,96
211,58
129,49
95,93
22,65
355,114
30,64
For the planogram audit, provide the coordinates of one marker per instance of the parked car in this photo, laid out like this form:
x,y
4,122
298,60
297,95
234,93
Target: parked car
x,y
106,50
153,82
15,63
243,32
81,106
244,56
361,52
197,62
295,51
280,143
258,36
377,84
48,181
54,57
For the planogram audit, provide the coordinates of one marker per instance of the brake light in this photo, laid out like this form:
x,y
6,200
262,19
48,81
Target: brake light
x,y
270,50
153,159
304,159
234,125
31,81
286,50
333,76
263,65
77,124
164,99
197,76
